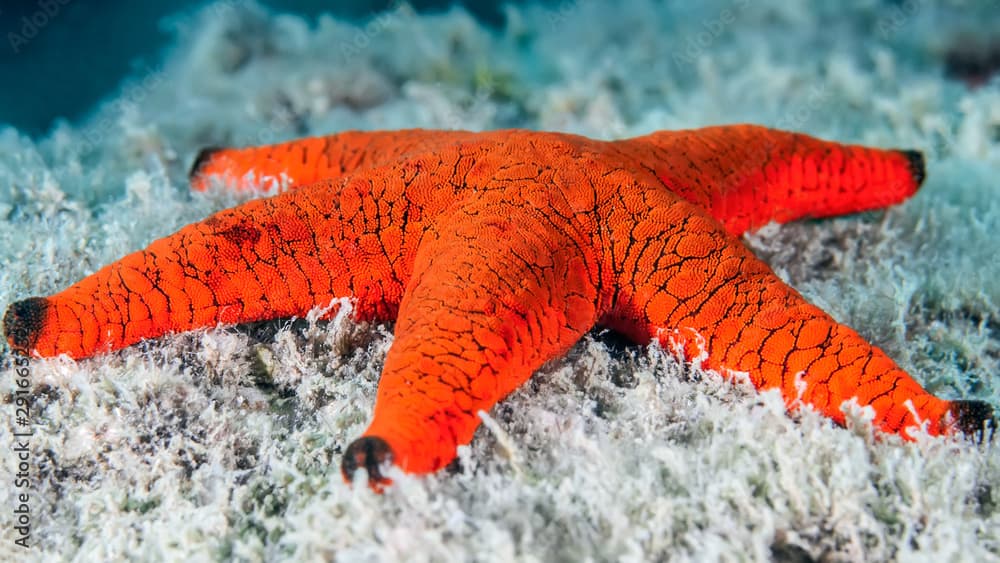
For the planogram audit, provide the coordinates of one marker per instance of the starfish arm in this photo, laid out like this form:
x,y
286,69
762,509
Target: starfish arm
x,y
304,161
708,299
497,290
748,175
268,258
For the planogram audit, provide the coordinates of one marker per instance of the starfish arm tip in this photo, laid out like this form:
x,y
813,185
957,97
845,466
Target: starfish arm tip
x,y
371,453
201,160
974,418
22,323
917,164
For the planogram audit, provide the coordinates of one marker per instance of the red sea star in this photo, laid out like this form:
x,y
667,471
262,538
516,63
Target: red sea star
x,y
496,252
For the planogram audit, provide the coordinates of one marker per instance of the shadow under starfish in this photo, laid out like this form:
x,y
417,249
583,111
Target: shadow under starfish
x,y
497,251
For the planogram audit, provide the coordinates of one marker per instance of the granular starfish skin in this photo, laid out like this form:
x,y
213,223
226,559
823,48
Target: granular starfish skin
x,y
497,251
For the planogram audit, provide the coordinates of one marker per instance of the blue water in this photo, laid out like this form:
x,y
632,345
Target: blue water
x,y
58,58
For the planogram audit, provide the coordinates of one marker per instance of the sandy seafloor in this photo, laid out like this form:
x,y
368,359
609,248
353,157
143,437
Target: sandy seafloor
x,y
225,443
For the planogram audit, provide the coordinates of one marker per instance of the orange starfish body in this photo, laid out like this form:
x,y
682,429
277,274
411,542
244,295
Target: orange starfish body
x,y
497,251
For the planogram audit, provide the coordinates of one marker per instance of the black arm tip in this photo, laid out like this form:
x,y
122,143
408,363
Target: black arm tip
x,y
369,452
203,157
917,165
974,418
23,322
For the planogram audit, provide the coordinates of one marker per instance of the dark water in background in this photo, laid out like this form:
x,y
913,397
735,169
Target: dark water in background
x,y
59,57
